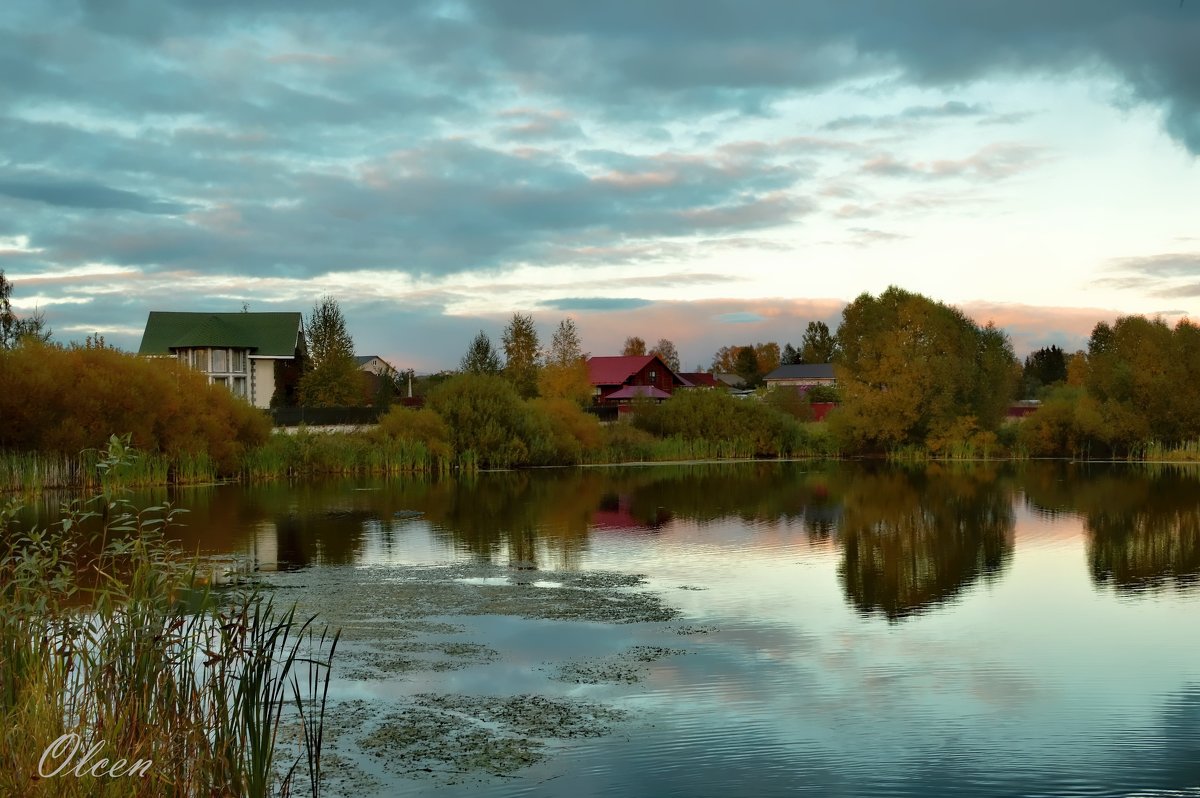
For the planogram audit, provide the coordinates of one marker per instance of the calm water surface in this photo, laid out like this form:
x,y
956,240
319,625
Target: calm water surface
x,y
868,630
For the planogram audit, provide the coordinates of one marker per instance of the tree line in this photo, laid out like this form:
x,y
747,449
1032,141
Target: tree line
x,y
913,373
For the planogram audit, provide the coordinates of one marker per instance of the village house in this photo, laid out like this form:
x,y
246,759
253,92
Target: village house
x,y
245,352
374,364
621,379
801,375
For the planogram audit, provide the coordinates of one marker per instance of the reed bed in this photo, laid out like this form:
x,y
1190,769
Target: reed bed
x,y
33,472
120,675
1182,452
307,454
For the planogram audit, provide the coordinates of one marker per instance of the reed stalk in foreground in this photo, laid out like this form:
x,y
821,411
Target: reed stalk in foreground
x,y
121,675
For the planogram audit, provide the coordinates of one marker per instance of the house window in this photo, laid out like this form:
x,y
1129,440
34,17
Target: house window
x,y
239,386
219,360
239,361
653,375
200,359
220,380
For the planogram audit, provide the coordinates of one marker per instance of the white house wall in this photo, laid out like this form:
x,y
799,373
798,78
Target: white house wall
x,y
262,382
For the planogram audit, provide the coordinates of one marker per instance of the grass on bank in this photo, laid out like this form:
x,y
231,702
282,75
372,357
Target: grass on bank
x,y
106,633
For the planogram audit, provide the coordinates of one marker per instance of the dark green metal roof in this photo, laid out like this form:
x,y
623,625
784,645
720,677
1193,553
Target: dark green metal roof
x,y
266,334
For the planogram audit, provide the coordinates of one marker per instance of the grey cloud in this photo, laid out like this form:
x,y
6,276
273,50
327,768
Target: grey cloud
x,y
539,125
677,47
993,162
1185,291
595,303
1174,264
866,236
637,59
1168,275
80,194
445,207
916,113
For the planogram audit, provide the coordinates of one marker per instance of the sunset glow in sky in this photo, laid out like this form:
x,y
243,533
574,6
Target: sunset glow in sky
x,y
714,173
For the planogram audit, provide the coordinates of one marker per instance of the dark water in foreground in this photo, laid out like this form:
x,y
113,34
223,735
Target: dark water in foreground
x,y
867,630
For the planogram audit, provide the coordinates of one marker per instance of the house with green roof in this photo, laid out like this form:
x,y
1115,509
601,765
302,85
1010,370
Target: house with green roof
x,y
245,352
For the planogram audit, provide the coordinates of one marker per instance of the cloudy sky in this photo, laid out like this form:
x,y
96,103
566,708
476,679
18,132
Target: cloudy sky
x,y
715,173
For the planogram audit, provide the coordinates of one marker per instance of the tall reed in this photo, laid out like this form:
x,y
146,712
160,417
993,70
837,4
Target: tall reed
x,y
33,472
109,642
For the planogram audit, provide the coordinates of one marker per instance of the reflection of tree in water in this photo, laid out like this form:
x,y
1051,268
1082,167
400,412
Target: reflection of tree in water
x,y
1143,522
916,538
1149,544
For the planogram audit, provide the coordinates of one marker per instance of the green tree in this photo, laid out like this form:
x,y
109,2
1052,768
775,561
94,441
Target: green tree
x,y
522,351
634,346
481,357
790,356
565,348
14,329
666,350
332,377
487,421
1044,368
745,365
818,345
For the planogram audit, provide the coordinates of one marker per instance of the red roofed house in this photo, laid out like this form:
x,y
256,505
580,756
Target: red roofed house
x,y
700,379
619,380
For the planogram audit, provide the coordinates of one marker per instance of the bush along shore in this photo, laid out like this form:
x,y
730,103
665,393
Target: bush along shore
x,y
469,423
120,674
474,423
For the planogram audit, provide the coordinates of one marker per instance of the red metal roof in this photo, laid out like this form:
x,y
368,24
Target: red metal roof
x,y
700,379
615,370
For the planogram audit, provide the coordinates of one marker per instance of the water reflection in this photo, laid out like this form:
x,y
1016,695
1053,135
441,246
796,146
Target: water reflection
x,y
1143,524
913,538
909,538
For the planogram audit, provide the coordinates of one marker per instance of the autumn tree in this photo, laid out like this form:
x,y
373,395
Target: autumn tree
x,y
565,374
768,357
818,345
666,350
332,377
750,362
1138,369
481,357
14,329
522,351
912,369
64,399
634,346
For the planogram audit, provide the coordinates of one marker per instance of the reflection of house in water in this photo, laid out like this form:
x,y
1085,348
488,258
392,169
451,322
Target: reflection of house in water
x,y
821,520
617,512
264,547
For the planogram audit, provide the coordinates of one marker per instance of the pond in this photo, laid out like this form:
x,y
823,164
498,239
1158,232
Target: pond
x,y
748,628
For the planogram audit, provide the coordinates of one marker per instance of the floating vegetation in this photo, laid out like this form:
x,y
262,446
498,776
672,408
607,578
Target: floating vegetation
x,y
401,594
627,667
453,736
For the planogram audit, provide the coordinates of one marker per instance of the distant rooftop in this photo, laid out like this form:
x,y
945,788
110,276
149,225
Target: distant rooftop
x,y
802,371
